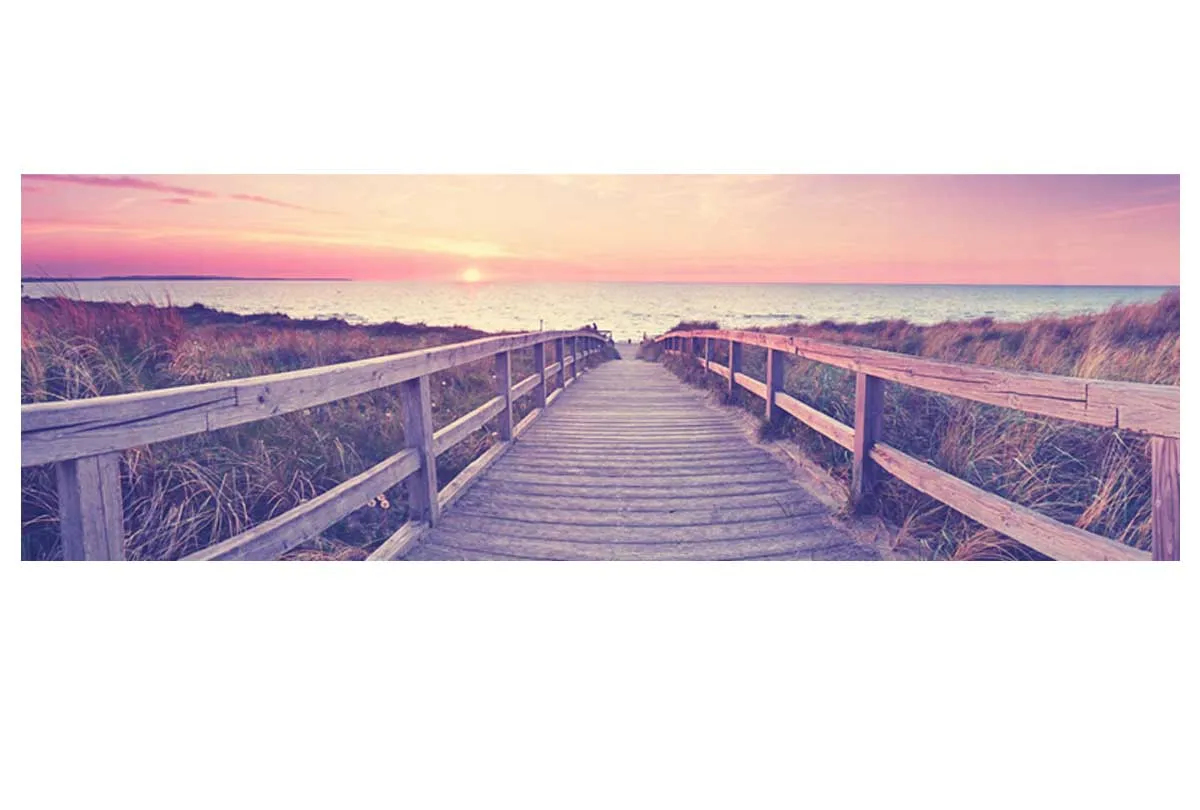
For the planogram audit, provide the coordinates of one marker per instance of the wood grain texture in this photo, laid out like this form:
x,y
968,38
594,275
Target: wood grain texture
x,y
466,424
774,383
1164,513
1152,409
272,538
504,422
416,407
868,429
90,509
1057,540
735,364
822,423
631,464
400,543
540,390
56,431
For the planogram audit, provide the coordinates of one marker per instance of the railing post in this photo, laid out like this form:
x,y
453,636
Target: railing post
x,y
560,377
735,364
91,515
574,345
707,354
775,360
868,426
1164,511
504,389
539,363
418,433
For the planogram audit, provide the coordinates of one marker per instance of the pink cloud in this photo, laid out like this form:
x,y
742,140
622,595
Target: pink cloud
x,y
120,182
267,201
177,200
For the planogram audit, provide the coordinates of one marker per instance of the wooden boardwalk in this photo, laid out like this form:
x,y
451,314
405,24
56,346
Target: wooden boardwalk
x,y
631,464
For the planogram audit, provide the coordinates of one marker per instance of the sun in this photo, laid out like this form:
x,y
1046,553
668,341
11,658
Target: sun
x,y
471,275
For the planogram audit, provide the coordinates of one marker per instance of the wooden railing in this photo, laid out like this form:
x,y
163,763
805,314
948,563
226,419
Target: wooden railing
x,y
84,439
1148,409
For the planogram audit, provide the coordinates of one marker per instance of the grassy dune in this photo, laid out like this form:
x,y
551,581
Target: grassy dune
x,y
1089,477
185,494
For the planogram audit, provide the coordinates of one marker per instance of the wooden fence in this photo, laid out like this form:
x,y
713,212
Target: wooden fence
x,y
84,439
1148,409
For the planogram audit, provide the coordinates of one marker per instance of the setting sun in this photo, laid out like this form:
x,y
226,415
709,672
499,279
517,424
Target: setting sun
x,y
471,275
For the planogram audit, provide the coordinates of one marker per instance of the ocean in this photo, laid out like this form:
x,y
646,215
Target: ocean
x,y
628,310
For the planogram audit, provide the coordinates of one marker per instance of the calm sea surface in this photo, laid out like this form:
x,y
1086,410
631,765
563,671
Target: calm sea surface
x,y
626,309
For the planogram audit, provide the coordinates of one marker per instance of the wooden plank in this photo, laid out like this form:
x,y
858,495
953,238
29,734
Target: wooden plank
x,y
735,364
717,368
775,372
822,423
90,509
756,387
560,356
466,424
682,492
270,539
504,389
705,517
868,428
416,406
463,481
56,431
539,363
1144,408
526,385
524,424
598,481
1058,540
708,353
400,543
542,549
1164,513
634,506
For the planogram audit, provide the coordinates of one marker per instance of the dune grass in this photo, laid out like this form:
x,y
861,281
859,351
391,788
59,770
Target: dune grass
x,y
1096,479
185,494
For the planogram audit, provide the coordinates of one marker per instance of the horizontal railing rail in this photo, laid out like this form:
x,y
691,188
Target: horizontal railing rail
x,y
84,438
1147,409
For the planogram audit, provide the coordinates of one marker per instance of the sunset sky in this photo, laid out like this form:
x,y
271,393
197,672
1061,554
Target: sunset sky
x,y
1009,229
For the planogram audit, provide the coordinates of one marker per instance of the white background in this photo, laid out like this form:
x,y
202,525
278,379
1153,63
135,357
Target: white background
x,y
684,685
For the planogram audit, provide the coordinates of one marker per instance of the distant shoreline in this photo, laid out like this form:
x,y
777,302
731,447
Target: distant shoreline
x,y
62,279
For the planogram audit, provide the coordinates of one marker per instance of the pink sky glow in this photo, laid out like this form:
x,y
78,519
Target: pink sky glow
x,y
962,229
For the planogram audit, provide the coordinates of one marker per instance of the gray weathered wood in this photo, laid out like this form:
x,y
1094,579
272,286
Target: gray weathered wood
x,y
774,384
540,391
526,385
504,388
418,434
466,424
822,423
90,510
56,431
735,364
708,347
400,542
270,539
560,364
463,481
756,387
1164,513
868,428
1057,540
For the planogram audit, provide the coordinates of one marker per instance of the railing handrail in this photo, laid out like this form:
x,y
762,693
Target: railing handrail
x,y
1141,407
84,439
67,429
1151,409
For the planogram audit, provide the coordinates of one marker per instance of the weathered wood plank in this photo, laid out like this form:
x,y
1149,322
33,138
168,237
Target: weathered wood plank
x,y
691,479
541,549
525,423
399,544
540,390
822,423
717,368
504,424
735,364
1145,408
709,516
416,406
56,431
775,372
90,509
526,385
1164,513
868,428
463,481
756,387
634,506
1057,540
270,539
466,424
